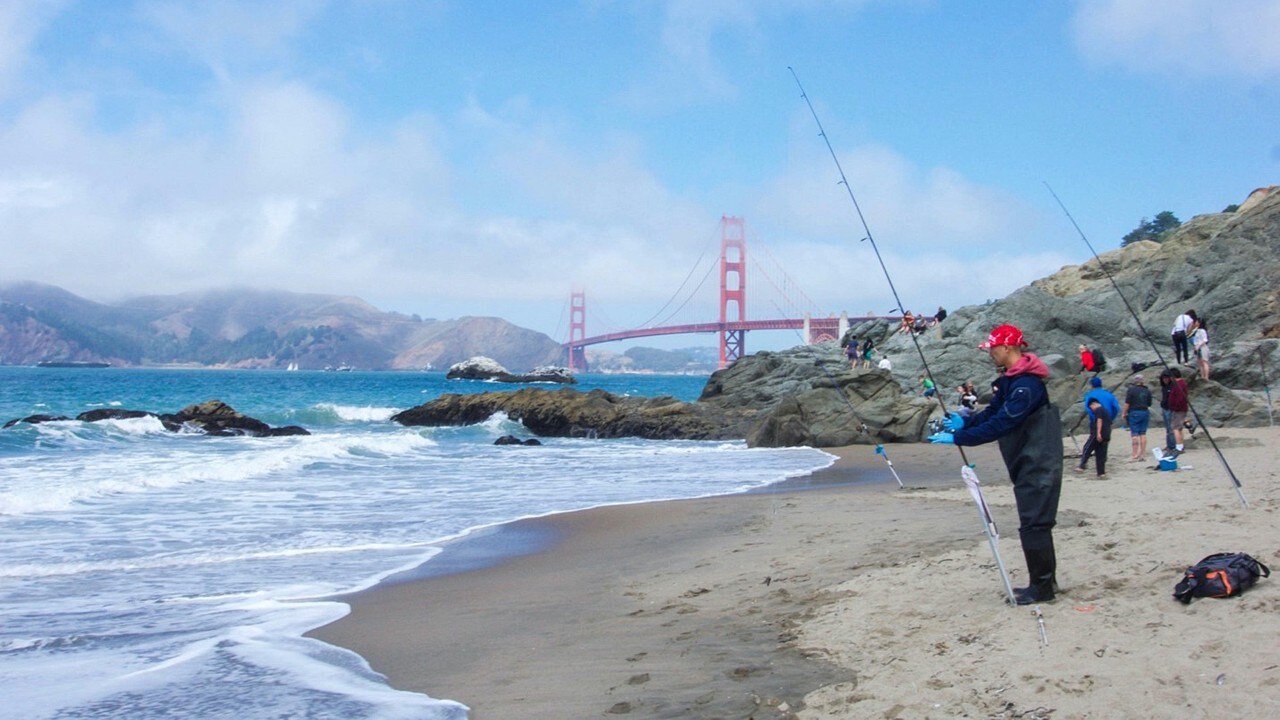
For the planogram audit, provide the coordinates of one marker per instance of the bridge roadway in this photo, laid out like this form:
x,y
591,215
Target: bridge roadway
x,y
817,328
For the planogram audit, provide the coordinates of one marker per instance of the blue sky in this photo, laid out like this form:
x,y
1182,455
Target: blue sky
x,y
452,158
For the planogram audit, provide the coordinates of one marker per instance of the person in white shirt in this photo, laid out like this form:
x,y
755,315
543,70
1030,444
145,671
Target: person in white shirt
x,y
1181,329
1200,348
884,363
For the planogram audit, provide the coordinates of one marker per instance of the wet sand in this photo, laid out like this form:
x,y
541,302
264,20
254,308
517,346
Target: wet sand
x,y
828,599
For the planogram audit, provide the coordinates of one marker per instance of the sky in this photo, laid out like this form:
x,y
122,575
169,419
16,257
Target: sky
x,y
448,158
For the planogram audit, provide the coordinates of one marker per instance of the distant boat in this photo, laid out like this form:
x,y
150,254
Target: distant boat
x,y
71,364
341,368
292,367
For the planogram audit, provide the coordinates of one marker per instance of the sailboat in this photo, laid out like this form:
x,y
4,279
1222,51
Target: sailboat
x,y
292,367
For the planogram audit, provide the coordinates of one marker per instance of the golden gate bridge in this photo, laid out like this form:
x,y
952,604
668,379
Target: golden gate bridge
x,y
733,325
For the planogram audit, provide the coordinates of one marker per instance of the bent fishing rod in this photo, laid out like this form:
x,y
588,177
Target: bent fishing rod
x,y
967,470
1147,336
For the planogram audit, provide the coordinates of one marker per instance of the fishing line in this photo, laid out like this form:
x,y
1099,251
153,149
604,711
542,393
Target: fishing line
x,y
1147,336
871,239
967,472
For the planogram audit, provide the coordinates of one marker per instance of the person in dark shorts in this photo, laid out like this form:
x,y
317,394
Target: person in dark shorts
x,y
1137,413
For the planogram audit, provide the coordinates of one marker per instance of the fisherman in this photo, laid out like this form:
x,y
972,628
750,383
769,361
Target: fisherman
x,y
1029,430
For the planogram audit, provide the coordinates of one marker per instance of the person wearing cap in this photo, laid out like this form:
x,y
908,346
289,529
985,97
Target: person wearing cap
x,y
1028,428
1137,412
1112,407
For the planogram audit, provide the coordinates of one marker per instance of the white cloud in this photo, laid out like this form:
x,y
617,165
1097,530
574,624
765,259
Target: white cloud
x,y
20,22
1237,38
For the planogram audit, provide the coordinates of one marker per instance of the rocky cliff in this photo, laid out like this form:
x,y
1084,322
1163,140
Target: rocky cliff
x,y
1226,266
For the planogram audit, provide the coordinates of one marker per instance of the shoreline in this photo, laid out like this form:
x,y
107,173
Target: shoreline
x,y
856,600
674,608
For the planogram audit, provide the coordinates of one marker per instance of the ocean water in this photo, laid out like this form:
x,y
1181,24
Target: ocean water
x,y
148,574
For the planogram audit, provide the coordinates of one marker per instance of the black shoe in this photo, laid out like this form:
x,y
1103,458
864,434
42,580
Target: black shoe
x,y
1030,595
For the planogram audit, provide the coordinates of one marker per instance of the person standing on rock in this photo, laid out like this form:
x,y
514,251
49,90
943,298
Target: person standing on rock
x,y
1181,330
1200,348
851,352
1086,359
1029,430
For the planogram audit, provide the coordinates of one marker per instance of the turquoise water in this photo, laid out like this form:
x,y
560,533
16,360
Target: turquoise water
x,y
151,574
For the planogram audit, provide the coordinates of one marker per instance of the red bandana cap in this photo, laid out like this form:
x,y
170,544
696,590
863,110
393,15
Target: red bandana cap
x,y
1003,335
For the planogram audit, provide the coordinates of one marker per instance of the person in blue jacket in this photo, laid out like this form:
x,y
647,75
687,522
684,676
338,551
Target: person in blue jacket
x,y
1029,431
1111,405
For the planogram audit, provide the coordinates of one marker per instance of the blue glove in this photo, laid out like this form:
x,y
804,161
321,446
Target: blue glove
x,y
953,421
942,439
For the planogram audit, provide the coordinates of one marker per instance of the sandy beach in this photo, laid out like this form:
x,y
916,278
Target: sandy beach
x,y
828,598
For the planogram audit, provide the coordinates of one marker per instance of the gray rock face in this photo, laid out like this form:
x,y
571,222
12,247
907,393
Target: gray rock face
x,y
1226,266
809,396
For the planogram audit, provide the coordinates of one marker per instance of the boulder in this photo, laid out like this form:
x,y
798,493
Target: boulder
x,y
112,414
483,368
513,440
36,419
215,417
212,418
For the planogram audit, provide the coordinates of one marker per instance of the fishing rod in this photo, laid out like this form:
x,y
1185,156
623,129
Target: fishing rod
x,y
967,471
1147,336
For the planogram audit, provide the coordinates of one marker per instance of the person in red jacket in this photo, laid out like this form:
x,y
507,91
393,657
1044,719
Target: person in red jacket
x,y
1086,359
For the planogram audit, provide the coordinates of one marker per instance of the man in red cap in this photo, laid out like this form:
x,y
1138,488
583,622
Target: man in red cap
x,y
1029,430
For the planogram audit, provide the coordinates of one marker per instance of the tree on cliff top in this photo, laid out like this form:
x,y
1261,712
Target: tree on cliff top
x,y
1156,229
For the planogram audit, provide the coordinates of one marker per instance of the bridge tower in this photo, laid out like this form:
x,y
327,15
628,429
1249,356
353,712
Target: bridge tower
x,y
577,330
733,288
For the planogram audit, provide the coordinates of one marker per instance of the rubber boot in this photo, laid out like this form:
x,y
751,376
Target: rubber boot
x,y
1041,570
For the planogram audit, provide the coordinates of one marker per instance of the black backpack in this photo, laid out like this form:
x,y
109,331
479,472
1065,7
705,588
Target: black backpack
x,y
1099,360
1220,575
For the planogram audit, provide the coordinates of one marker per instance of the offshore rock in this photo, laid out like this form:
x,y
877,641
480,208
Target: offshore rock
x,y
570,413
513,440
215,417
36,419
211,418
483,368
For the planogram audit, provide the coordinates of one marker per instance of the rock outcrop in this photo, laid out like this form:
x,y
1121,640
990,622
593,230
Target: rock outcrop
x,y
1225,265
569,413
483,368
209,418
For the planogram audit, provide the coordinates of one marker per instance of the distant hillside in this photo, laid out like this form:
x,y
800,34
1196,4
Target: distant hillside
x,y
690,361
251,329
